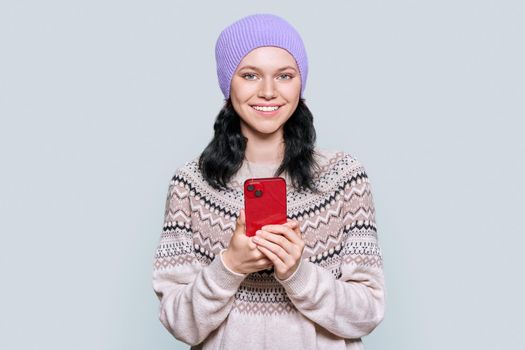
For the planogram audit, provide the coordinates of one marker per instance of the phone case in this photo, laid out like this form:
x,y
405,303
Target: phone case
x,y
264,202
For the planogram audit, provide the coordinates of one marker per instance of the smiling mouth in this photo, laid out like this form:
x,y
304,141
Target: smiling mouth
x,y
266,109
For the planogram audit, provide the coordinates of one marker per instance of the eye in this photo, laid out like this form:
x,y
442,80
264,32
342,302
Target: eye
x,y
287,75
248,74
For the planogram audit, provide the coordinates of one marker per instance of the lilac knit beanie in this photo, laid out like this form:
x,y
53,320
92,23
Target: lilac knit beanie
x,y
253,31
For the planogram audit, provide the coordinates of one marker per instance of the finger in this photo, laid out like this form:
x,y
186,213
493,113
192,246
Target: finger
x,y
276,249
251,243
290,222
264,262
297,229
284,230
255,254
294,224
277,263
278,239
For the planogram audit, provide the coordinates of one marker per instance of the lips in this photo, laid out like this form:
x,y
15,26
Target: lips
x,y
266,111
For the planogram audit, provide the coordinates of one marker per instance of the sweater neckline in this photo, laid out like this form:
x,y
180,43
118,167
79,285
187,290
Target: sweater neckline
x,y
262,165
255,170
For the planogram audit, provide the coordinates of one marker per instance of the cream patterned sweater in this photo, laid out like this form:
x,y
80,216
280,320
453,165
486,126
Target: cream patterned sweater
x,y
335,297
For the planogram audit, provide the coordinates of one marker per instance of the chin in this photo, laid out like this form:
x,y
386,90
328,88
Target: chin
x,y
267,131
264,129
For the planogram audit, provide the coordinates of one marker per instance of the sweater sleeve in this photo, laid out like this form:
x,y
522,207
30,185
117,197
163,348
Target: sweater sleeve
x,y
351,305
195,298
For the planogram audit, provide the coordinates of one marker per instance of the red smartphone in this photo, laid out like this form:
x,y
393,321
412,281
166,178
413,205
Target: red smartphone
x,y
264,202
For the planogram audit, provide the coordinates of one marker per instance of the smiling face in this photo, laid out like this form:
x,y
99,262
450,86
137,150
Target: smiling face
x,y
266,78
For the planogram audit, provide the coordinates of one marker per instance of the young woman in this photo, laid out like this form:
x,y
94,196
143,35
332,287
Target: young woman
x,y
315,282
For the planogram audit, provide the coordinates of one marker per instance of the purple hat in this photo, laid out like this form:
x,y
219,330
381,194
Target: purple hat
x,y
253,31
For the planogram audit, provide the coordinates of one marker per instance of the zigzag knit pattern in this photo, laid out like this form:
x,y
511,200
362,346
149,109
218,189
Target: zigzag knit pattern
x,y
338,227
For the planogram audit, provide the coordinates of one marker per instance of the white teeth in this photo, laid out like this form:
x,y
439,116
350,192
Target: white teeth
x,y
265,109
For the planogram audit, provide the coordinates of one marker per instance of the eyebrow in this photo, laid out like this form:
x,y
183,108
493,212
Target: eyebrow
x,y
280,69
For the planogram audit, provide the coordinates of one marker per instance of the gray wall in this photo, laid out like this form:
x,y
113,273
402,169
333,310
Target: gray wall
x,y
100,101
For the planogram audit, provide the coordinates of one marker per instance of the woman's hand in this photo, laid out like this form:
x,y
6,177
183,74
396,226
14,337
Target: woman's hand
x,y
242,255
282,245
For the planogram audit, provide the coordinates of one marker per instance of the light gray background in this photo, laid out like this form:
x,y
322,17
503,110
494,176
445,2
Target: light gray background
x,y
100,101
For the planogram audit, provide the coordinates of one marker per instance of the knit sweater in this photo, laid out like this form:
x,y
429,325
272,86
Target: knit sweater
x,y
334,297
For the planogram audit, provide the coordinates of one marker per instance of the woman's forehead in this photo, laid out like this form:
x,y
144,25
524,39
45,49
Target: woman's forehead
x,y
268,57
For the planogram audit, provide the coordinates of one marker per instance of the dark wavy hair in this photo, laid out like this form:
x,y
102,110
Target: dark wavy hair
x,y
224,155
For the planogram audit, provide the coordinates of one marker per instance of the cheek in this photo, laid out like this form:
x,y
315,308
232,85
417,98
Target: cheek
x,y
291,91
238,101
242,90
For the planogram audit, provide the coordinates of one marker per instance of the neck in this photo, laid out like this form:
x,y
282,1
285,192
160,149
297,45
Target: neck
x,y
269,150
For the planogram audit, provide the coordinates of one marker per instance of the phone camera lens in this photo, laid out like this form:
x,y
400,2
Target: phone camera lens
x,y
258,193
251,187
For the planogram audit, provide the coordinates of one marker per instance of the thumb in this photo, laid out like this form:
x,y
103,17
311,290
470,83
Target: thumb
x,y
241,219
242,216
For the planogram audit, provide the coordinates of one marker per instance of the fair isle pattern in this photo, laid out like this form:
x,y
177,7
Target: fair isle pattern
x,y
337,225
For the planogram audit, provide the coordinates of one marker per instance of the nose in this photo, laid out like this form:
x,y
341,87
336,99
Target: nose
x,y
267,89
